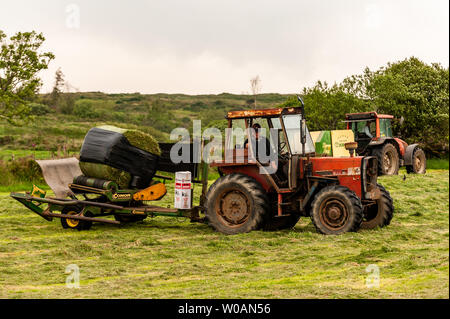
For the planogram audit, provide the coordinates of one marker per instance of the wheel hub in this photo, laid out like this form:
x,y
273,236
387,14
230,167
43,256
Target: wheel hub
x,y
234,208
72,222
334,214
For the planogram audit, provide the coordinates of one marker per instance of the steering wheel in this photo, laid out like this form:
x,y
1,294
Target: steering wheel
x,y
284,157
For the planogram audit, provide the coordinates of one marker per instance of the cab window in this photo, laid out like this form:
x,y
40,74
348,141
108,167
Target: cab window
x,y
276,124
237,139
360,128
385,128
292,126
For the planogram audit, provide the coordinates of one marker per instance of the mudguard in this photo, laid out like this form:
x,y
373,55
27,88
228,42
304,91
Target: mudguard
x,y
409,153
378,141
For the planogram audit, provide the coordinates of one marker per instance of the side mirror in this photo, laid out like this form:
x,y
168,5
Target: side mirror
x,y
401,120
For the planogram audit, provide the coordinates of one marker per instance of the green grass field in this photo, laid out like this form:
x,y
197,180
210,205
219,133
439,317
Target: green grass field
x,y
173,258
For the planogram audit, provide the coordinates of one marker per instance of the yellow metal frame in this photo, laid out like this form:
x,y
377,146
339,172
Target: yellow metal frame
x,y
153,192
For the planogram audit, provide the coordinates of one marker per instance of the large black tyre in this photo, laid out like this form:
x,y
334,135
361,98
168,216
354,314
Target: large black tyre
x,y
336,210
419,162
380,214
388,159
235,204
75,223
278,223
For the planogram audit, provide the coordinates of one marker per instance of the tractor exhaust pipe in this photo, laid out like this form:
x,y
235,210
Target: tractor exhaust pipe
x,y
302,125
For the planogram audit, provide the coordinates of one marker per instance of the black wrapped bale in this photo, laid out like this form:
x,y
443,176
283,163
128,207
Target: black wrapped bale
x,y
110,146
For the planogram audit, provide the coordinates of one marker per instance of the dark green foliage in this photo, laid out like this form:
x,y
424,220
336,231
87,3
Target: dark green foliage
x,y
220,124
325,106
85,110
67,103
198,106
39,109
411,89
414,90
57,88
24,169
20,62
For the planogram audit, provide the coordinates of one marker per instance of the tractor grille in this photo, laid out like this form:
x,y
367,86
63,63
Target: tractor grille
x,y
369,174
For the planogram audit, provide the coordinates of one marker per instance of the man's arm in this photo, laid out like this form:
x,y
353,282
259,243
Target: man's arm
x,y
367,131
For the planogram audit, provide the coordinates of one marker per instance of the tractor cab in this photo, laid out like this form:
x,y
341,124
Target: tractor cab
x,y
368,127
285,135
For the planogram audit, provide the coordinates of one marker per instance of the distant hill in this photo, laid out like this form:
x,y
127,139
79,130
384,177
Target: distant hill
x,y
64,125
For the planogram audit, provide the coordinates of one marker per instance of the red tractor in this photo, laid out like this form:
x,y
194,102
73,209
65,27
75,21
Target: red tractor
x,y
339,194
373,133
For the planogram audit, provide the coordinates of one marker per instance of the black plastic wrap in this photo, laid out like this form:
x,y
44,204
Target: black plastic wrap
x,y
113,149
165,164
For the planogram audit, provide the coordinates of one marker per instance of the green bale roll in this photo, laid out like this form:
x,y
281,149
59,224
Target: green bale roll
x,y
138,139
106,172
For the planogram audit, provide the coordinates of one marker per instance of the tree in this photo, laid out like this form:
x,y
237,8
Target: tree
x,y
255,84
411,89
414,90
20,62
326,106
57,88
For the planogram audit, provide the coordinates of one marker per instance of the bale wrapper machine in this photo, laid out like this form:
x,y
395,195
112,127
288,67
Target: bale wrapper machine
x,y
79,200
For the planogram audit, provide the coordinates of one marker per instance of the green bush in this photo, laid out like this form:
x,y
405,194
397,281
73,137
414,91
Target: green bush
x,y
84,109
119,116
39,109
7,139
67,103
25,169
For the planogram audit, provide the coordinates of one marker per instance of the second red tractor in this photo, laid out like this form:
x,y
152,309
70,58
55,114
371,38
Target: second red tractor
x,y
373,133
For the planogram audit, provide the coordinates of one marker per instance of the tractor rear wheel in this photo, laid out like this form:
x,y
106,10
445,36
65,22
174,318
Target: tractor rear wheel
x,y
336,210
282,222
235,204
380,213
419,162
388,159
75,223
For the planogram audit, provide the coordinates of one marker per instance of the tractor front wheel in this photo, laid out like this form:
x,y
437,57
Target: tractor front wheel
x,y
419,162
235,204
388,159
75,223
380,213
336,210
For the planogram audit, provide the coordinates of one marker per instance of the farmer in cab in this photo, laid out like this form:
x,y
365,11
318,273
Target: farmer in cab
x,y
367,129
260,143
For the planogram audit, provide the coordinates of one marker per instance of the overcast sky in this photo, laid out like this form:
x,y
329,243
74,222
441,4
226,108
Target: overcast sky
x,y
207,46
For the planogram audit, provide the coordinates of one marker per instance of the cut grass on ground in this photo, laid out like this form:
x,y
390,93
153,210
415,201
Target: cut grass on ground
x,y
173,258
